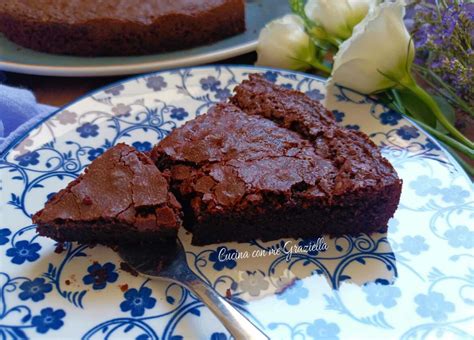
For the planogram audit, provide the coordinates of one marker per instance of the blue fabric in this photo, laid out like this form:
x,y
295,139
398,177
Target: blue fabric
x,y
19,111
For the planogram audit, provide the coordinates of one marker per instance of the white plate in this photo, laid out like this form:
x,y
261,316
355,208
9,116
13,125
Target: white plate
x,y
417,281
258,12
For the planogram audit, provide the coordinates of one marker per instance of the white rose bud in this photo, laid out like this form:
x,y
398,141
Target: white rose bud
x,y
378,55
283,43
338,17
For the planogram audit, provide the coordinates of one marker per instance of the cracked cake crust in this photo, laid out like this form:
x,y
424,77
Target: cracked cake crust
x,y
121,198
273,163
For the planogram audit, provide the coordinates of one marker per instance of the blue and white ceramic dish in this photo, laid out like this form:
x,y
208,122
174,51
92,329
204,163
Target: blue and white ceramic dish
x,y
417,281
22,60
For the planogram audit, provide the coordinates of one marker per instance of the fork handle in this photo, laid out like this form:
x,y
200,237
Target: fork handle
x,y
238,325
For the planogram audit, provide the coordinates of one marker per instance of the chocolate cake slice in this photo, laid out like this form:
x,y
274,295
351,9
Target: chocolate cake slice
x,y
122,198
273,164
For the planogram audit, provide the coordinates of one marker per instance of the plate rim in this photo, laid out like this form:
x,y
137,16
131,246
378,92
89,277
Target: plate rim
x,y
7,148
343,324
129,69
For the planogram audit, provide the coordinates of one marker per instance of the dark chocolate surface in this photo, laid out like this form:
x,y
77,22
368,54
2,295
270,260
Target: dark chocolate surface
x,y
271,163
121,191
119,27
356,159
274,163
80,11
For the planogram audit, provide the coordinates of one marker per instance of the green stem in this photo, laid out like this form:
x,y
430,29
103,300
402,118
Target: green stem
x,y
429,101
334,41
465,165
398,101
319,34
448,140
321,67
454,96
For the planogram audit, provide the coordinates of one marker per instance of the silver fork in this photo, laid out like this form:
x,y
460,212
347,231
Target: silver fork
x,y
173,266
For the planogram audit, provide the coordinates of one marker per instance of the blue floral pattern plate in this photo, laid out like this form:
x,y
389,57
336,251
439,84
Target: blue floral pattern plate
x,y
416,281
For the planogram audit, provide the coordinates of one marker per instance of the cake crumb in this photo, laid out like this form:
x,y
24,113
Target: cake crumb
x,y
123,287
67,282
59,248
228,294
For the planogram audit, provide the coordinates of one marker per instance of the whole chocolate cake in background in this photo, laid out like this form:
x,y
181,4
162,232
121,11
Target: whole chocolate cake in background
x,y
119,27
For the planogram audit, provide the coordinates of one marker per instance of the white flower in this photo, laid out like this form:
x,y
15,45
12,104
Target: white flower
x,y
380,48
338,17
283,43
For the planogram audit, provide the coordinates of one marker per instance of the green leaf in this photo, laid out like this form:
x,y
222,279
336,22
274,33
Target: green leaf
x,y
416,107
448,112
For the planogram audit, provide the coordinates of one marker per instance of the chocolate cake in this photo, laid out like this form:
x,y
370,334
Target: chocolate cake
x,y
121,198
273,163
270,163
119,27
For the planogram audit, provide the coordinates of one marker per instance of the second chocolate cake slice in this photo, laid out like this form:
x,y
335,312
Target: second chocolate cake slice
x,y
275,164
121,198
